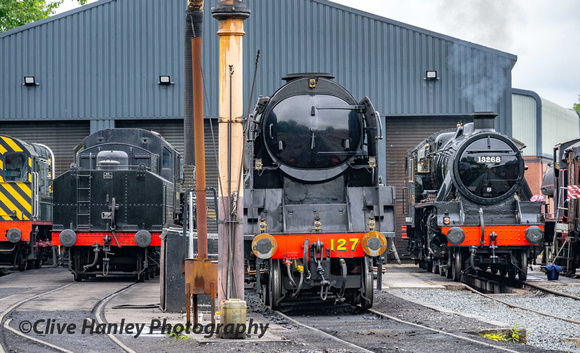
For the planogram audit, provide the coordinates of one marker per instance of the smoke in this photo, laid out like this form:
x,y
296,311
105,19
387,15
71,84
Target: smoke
x,y
487,22
482,77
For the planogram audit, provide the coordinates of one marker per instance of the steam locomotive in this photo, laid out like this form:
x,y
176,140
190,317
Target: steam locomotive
x,y
469,204
26,171
111,205
315,213
561,183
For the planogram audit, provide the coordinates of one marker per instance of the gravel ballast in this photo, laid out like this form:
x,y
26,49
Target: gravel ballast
x,y
544,332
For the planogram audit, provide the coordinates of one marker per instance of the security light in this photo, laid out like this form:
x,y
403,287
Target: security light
x,y
165,80
431,75
29,81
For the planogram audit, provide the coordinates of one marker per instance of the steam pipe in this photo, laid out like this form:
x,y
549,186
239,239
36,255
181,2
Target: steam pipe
x,y
343,275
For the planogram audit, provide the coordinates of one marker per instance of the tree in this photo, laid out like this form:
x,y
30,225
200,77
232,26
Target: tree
x,y
15,13
576,106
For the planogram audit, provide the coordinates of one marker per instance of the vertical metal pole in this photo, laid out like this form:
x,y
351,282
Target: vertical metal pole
x,y
231,15
198,126
190,228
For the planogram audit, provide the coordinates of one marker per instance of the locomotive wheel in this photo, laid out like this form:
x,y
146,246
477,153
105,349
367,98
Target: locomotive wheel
x,y
367,280
457,264
523,273
275,284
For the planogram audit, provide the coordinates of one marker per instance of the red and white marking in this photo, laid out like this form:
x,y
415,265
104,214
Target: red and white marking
x,y
573,192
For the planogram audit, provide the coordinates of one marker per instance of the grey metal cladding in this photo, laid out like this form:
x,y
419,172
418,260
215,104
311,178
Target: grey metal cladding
x,y
103,61
100,61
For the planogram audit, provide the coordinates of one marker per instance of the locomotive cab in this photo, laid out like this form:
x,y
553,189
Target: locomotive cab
x,y
16,168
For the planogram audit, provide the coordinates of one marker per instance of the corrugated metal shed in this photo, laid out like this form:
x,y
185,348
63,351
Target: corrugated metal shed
x,y
558,124
525,116
542,124
102,61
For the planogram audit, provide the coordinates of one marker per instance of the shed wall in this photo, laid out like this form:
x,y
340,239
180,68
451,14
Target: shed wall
x,y
102,61
524,122
558,125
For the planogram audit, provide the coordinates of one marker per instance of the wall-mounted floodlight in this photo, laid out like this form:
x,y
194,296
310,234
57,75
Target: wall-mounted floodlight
x,y
431,75
30,81
165,80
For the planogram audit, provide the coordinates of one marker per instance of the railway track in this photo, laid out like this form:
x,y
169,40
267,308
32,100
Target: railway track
x,y
548,290
376,323
6,324
513,306
22,328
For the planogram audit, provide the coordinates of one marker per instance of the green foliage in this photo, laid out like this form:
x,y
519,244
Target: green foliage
x,y
178,336
576,106
497,337
15,13
512,336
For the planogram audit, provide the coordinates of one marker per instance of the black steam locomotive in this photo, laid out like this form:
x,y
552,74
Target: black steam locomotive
x,y
315,213
26,171
111,206
468,202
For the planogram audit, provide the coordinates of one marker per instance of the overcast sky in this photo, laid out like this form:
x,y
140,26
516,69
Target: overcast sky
x,y
545,35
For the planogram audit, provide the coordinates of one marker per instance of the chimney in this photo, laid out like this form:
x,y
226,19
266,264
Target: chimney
x,y
484,120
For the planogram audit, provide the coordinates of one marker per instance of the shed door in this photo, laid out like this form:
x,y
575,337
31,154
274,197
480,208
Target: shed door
x,y
61,137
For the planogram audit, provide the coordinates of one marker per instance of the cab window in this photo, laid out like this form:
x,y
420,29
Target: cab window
x,y
166,159
15,167
423,162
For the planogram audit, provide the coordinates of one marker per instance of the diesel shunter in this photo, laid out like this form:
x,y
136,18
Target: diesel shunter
x,y
26,172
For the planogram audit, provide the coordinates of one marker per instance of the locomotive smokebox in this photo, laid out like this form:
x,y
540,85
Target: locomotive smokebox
x,y
484,120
